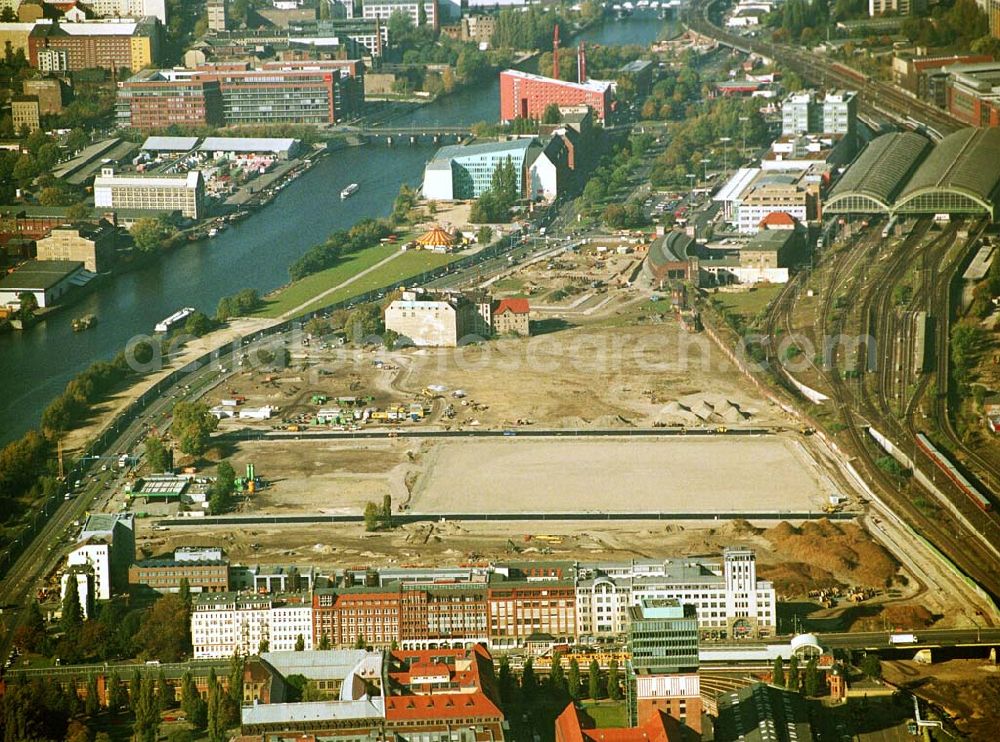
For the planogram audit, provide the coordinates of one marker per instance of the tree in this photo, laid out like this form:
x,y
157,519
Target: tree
x,y
216,728
263,646
484,235
72,612
166,698
115,693
557,676
778,672
92,703
814,679
573,679
324,642
146,710
184,593
198,324
387,511
222,489
871,666
192,425
192,703
147,235
360,643
373,517
793,674
552,114
165,633
506,684
364,323
29,635
156,454
28,305
614,691
300,643
529,683
594,680
180,734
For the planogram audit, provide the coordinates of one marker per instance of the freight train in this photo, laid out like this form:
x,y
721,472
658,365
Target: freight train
x,y
952,472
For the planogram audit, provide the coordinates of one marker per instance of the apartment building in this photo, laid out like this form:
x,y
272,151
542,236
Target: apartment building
x,y
806,112
342,615
520,608
117,44
130,9
184,193
225,623
25,113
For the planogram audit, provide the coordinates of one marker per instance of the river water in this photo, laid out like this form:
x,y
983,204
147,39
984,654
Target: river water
x,y
36,365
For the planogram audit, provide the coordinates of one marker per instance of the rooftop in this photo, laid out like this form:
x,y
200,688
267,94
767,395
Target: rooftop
x,y
315,711
39,274
592,86
170,144
453,151
247,144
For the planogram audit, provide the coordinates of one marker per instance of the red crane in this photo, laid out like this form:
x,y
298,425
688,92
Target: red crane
x,y
555,52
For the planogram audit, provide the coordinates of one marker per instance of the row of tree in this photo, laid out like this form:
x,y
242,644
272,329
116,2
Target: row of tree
x,y
808,681
239,304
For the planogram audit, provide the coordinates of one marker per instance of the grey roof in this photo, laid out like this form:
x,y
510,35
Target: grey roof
x,y
39,274
673,247
762,713
247,144
170,144
153,563
882,168
967,161
770,240
457,150
318,711
319,664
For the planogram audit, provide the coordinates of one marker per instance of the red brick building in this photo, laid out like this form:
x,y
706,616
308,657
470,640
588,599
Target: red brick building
x,y
973,95
518,609
523,95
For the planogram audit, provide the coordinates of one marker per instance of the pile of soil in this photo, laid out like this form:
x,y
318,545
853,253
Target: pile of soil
x,y
966,689
896,617
843,552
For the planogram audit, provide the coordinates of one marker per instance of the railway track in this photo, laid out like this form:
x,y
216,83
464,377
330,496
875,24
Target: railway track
x,y
868,399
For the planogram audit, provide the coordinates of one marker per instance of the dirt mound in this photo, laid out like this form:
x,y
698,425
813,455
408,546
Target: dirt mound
x,y
796,578
968,690
843,550
738,528
896,617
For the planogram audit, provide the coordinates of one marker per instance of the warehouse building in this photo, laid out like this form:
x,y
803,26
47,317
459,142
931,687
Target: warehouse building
x,y
183,193
115,45
166,575
48,280
231,148
93,245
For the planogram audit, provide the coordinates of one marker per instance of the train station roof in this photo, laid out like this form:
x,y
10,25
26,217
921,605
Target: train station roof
x,y
879,173
962,173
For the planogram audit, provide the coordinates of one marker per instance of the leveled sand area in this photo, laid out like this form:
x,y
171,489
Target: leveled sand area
x,y
725,473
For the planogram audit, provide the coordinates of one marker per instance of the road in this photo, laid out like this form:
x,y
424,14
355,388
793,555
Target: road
x,y
404,518
251,434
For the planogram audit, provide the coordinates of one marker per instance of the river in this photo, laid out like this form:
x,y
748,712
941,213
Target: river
x,y
36,365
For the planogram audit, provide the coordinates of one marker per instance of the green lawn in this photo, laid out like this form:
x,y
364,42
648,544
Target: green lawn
x,y
302,290
748,303
606,713
408,264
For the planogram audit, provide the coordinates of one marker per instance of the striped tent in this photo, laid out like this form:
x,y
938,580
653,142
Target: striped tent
x,y
436,238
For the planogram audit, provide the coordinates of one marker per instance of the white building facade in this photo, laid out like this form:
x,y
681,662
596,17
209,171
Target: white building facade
x,y
729,601
183,193
225,623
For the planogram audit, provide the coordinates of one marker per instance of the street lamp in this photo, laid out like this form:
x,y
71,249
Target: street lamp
x,y
725,154
705,162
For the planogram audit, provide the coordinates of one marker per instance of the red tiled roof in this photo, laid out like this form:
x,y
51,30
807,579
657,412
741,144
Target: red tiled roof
x,y
778,219
660,728
517,306
440,706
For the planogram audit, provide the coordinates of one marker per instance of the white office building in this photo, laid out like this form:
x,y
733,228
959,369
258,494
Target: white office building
x,y
729,599
383,10
184,193
130,9
225,623
107,547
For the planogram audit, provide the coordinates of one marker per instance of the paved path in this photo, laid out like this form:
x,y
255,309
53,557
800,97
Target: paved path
x,y
302,307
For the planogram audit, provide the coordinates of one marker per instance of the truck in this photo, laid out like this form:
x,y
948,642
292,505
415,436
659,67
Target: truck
x,y
903,639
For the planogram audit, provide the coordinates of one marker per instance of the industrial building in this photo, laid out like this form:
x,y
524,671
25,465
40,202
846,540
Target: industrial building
x,y
447,319
183,193
762,713
234,147
92,244
671,257
50,92
48,280
925,76
903,173
524,95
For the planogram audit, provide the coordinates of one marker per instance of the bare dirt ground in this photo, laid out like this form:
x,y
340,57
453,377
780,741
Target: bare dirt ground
x,y
624,475
969,690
